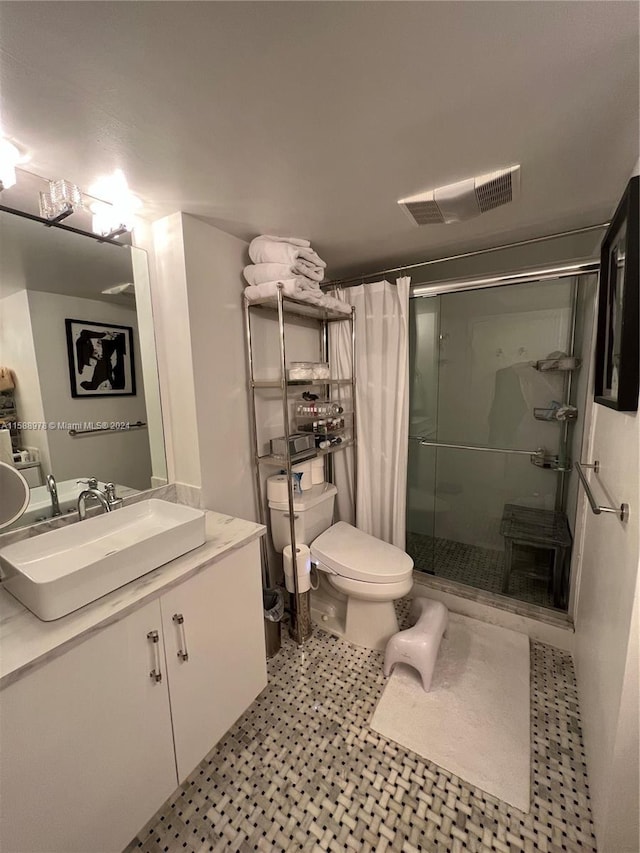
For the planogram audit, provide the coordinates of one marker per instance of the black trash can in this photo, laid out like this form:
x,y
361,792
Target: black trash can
x,y
273,609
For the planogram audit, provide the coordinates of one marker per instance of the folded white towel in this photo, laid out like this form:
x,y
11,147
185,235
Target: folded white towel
x,y
304,267
314,295
263,250
259,273
255,276
306,284
335,304
270,288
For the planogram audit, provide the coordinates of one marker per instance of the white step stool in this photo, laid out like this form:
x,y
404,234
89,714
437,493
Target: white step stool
x,y
418,646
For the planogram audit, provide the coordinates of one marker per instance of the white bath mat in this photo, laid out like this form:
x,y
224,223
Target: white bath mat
x,y
475,720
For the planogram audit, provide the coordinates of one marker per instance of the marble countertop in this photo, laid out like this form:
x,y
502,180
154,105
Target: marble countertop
x,y
26,641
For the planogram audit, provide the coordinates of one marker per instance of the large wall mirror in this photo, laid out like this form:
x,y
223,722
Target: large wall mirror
x,y
79,394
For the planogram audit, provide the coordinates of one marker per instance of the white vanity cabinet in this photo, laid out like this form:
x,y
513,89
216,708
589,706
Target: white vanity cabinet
x,y
87,739
213,630
86,755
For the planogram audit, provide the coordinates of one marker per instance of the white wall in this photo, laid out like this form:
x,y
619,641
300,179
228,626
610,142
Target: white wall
x,y
607,632
149,366
173,341
546,253
214,262
197,295
17,352
122,457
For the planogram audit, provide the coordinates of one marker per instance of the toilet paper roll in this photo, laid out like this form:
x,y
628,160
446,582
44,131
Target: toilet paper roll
x,y
277,490
304,468
303,558
317,471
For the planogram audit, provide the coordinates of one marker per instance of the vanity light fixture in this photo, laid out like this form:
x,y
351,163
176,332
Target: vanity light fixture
x,y
63,199
9,158
116,213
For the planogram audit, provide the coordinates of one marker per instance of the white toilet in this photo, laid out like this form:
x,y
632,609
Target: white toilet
x,y
360,576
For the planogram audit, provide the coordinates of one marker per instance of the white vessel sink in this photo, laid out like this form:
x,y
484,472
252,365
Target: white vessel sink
x,y
64,569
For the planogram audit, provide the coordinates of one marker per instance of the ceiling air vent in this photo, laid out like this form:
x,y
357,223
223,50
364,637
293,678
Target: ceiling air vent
x,y
465,199
128,288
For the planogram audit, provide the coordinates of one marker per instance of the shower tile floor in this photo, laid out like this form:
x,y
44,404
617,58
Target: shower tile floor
x,y
480,567
302,771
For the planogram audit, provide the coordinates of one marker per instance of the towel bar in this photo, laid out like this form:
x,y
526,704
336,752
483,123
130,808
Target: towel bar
x,y
93,430
622,511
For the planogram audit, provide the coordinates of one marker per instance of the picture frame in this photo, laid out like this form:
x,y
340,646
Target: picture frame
x,y
101,361
617,368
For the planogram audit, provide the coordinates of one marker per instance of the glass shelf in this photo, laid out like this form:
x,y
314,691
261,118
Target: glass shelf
x,y
300,308
281,461
294,383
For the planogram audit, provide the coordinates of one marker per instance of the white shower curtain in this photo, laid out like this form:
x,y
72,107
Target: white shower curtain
x,y
382,401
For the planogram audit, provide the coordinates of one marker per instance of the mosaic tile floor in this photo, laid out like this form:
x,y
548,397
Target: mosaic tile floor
x,y
480,567
302,771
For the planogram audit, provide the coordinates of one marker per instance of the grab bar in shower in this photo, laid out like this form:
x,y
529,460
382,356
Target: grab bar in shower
x,y
538,452
622,511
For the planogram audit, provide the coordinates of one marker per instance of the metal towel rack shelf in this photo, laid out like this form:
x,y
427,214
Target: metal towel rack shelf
x,y
622,511
93,430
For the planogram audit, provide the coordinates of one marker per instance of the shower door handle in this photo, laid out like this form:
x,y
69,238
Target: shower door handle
x,y
539,452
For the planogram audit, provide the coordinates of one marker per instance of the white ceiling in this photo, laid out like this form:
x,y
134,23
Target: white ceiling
x,y
313,118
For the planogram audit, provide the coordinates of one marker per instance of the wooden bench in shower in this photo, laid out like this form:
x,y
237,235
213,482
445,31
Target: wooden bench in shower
x,y
537,528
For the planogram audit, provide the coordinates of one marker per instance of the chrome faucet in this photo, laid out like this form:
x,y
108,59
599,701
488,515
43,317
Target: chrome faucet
x,y
53,491
107,499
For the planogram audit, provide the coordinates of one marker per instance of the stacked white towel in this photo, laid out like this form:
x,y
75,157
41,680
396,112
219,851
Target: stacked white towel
x,y
278,258
260,273
291,262
267,249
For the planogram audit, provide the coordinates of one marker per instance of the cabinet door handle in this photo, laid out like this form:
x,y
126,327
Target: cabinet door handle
x,y
155,674
183,653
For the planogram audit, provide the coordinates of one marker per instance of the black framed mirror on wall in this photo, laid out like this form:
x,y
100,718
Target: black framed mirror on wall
x,y
617,368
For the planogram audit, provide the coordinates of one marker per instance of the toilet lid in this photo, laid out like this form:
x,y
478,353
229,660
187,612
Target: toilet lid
x,y
353,554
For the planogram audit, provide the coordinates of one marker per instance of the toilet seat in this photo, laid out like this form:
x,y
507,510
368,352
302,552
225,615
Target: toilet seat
x,y
368,591
354,555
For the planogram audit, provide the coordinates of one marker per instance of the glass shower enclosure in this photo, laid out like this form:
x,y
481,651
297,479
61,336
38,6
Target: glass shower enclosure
x,y
498,389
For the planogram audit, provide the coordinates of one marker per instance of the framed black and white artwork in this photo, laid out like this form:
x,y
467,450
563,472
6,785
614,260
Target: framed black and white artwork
x,y
100,359
617,374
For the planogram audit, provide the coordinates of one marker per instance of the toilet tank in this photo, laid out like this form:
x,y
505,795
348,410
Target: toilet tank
x,y
314,514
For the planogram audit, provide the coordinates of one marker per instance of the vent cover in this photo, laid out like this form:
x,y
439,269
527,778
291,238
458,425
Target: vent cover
x,y
465,199
426,212
126,289
496,191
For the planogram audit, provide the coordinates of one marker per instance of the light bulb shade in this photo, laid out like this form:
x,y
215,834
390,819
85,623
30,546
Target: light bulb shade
x,y
65,195
63,199
46,206
9,157
111,219
115,213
